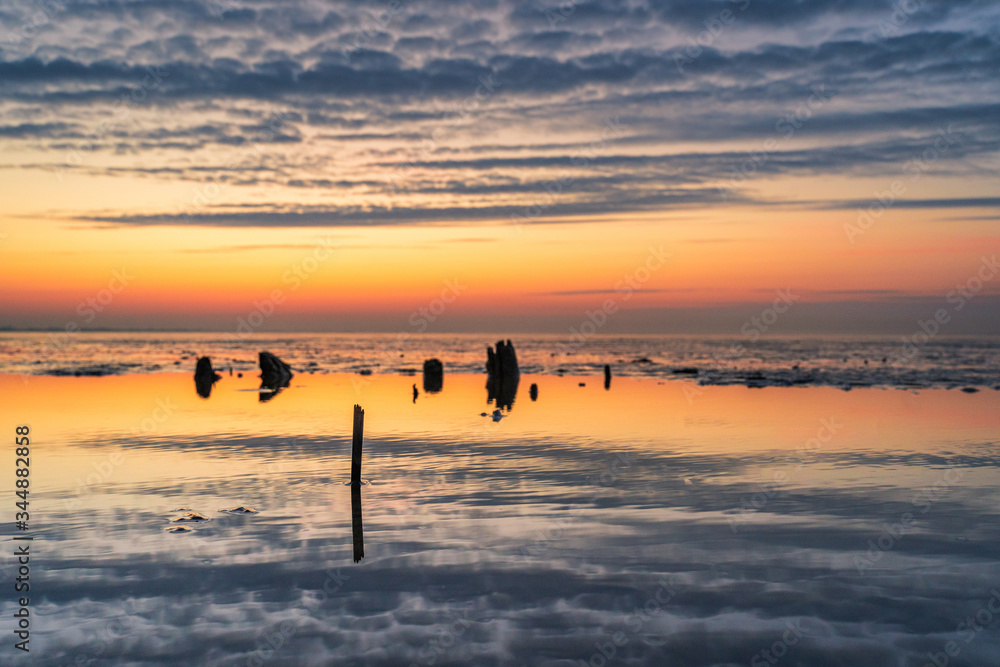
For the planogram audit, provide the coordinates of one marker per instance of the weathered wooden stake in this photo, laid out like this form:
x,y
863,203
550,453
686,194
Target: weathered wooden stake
x,y
359,436
607,376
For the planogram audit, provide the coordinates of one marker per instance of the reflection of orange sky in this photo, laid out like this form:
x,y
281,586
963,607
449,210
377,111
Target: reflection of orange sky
x,y
635,415
85,456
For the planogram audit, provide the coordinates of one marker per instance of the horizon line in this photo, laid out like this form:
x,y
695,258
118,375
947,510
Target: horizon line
x,y
736,334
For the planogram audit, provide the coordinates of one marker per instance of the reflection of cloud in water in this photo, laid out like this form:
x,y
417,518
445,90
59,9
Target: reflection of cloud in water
x,y
531,551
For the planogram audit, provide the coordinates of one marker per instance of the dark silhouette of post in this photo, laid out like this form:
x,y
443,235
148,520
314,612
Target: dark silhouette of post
x,y
359,436
433,376
502,375
357,524
204,377
275,375
607,376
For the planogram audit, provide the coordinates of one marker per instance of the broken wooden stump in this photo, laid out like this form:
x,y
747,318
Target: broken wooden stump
x,y
503,375
204,377
275,375
274,371
433,376
503,362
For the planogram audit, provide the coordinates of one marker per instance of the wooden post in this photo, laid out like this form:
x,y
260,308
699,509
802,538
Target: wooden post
x,y
607,376
359,435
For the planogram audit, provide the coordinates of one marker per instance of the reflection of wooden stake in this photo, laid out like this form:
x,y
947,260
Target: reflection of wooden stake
x,y
359,530
359,435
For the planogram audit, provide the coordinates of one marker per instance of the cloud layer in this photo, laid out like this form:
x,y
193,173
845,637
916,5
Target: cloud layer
x,y
479,112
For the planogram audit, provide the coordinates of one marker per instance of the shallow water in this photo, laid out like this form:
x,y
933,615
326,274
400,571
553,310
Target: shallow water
x,y
652,523
845,362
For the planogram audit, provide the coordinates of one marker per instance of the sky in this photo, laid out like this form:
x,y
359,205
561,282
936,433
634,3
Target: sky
x,y
412,166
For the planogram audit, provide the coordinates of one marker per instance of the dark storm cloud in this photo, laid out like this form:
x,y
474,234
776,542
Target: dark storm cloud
x,y
378,216
955,202
962,118
707,166
764,73
538,14
33,130
560,212
779,13
35,72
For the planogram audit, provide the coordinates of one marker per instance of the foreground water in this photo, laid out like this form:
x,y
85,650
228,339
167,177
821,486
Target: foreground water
x,y
906,362
651,523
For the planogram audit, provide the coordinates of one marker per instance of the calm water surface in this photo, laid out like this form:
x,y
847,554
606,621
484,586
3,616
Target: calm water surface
x,y
652,523
845,362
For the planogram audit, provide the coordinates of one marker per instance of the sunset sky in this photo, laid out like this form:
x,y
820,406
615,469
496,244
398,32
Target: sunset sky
x,y
499,166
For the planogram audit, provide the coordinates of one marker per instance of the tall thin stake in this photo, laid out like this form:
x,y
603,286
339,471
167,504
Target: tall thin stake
x,y
359,436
